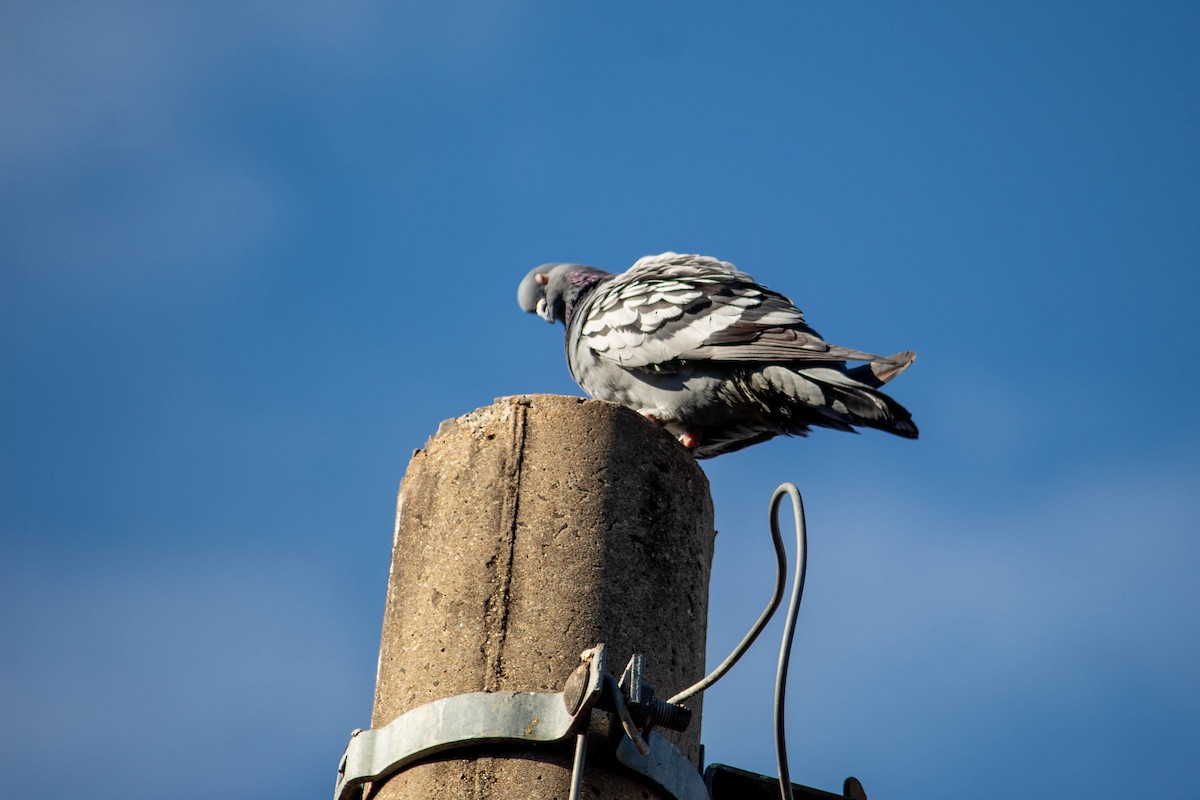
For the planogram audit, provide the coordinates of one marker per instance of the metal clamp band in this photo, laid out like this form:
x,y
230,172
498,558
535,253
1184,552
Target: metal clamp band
x,y
508,717
475,718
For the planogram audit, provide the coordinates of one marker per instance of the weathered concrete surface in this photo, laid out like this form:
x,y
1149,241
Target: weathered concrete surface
x,y
526,532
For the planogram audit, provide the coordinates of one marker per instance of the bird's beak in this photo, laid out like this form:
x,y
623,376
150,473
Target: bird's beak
x,y
543,311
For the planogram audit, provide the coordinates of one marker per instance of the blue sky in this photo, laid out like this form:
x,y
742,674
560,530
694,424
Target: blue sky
x,y
252,255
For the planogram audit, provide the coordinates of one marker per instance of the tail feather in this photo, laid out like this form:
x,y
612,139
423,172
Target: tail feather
x,y
882,369
850,401
874,409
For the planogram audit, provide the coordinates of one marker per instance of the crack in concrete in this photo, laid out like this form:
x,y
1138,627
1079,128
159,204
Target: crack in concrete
x,y
498,603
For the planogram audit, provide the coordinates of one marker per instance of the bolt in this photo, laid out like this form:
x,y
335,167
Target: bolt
x,y
668,715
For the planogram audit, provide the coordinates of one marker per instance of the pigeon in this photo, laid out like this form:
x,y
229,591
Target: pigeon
x,y
700,348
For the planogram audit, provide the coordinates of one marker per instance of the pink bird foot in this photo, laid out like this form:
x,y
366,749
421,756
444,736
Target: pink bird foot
x,y
687,438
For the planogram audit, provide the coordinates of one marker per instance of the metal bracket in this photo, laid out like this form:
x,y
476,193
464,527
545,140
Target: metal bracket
x,y
665,767
730,783
475,718
646,709
515,717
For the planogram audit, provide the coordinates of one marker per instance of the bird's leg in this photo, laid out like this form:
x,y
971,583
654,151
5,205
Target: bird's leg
x,y
689,439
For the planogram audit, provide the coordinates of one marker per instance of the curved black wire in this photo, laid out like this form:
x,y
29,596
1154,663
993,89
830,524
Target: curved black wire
x,y
789,628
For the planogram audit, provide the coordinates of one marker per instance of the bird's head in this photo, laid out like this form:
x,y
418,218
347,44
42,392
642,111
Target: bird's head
x,y
544,291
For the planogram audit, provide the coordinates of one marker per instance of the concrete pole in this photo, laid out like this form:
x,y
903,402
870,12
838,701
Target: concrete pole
x,y
526,532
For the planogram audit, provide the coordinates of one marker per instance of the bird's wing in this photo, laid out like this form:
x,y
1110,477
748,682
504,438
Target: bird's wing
x,y
673,307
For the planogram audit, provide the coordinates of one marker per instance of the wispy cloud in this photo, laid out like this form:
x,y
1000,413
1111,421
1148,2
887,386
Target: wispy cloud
x,y
123,177
82,79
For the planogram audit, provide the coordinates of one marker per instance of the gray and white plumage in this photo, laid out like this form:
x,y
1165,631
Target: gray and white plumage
x,y
721,361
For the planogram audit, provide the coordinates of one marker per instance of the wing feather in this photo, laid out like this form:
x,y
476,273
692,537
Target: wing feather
x,y
673,307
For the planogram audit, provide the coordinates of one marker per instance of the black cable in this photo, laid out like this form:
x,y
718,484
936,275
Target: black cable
x,y
789,627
